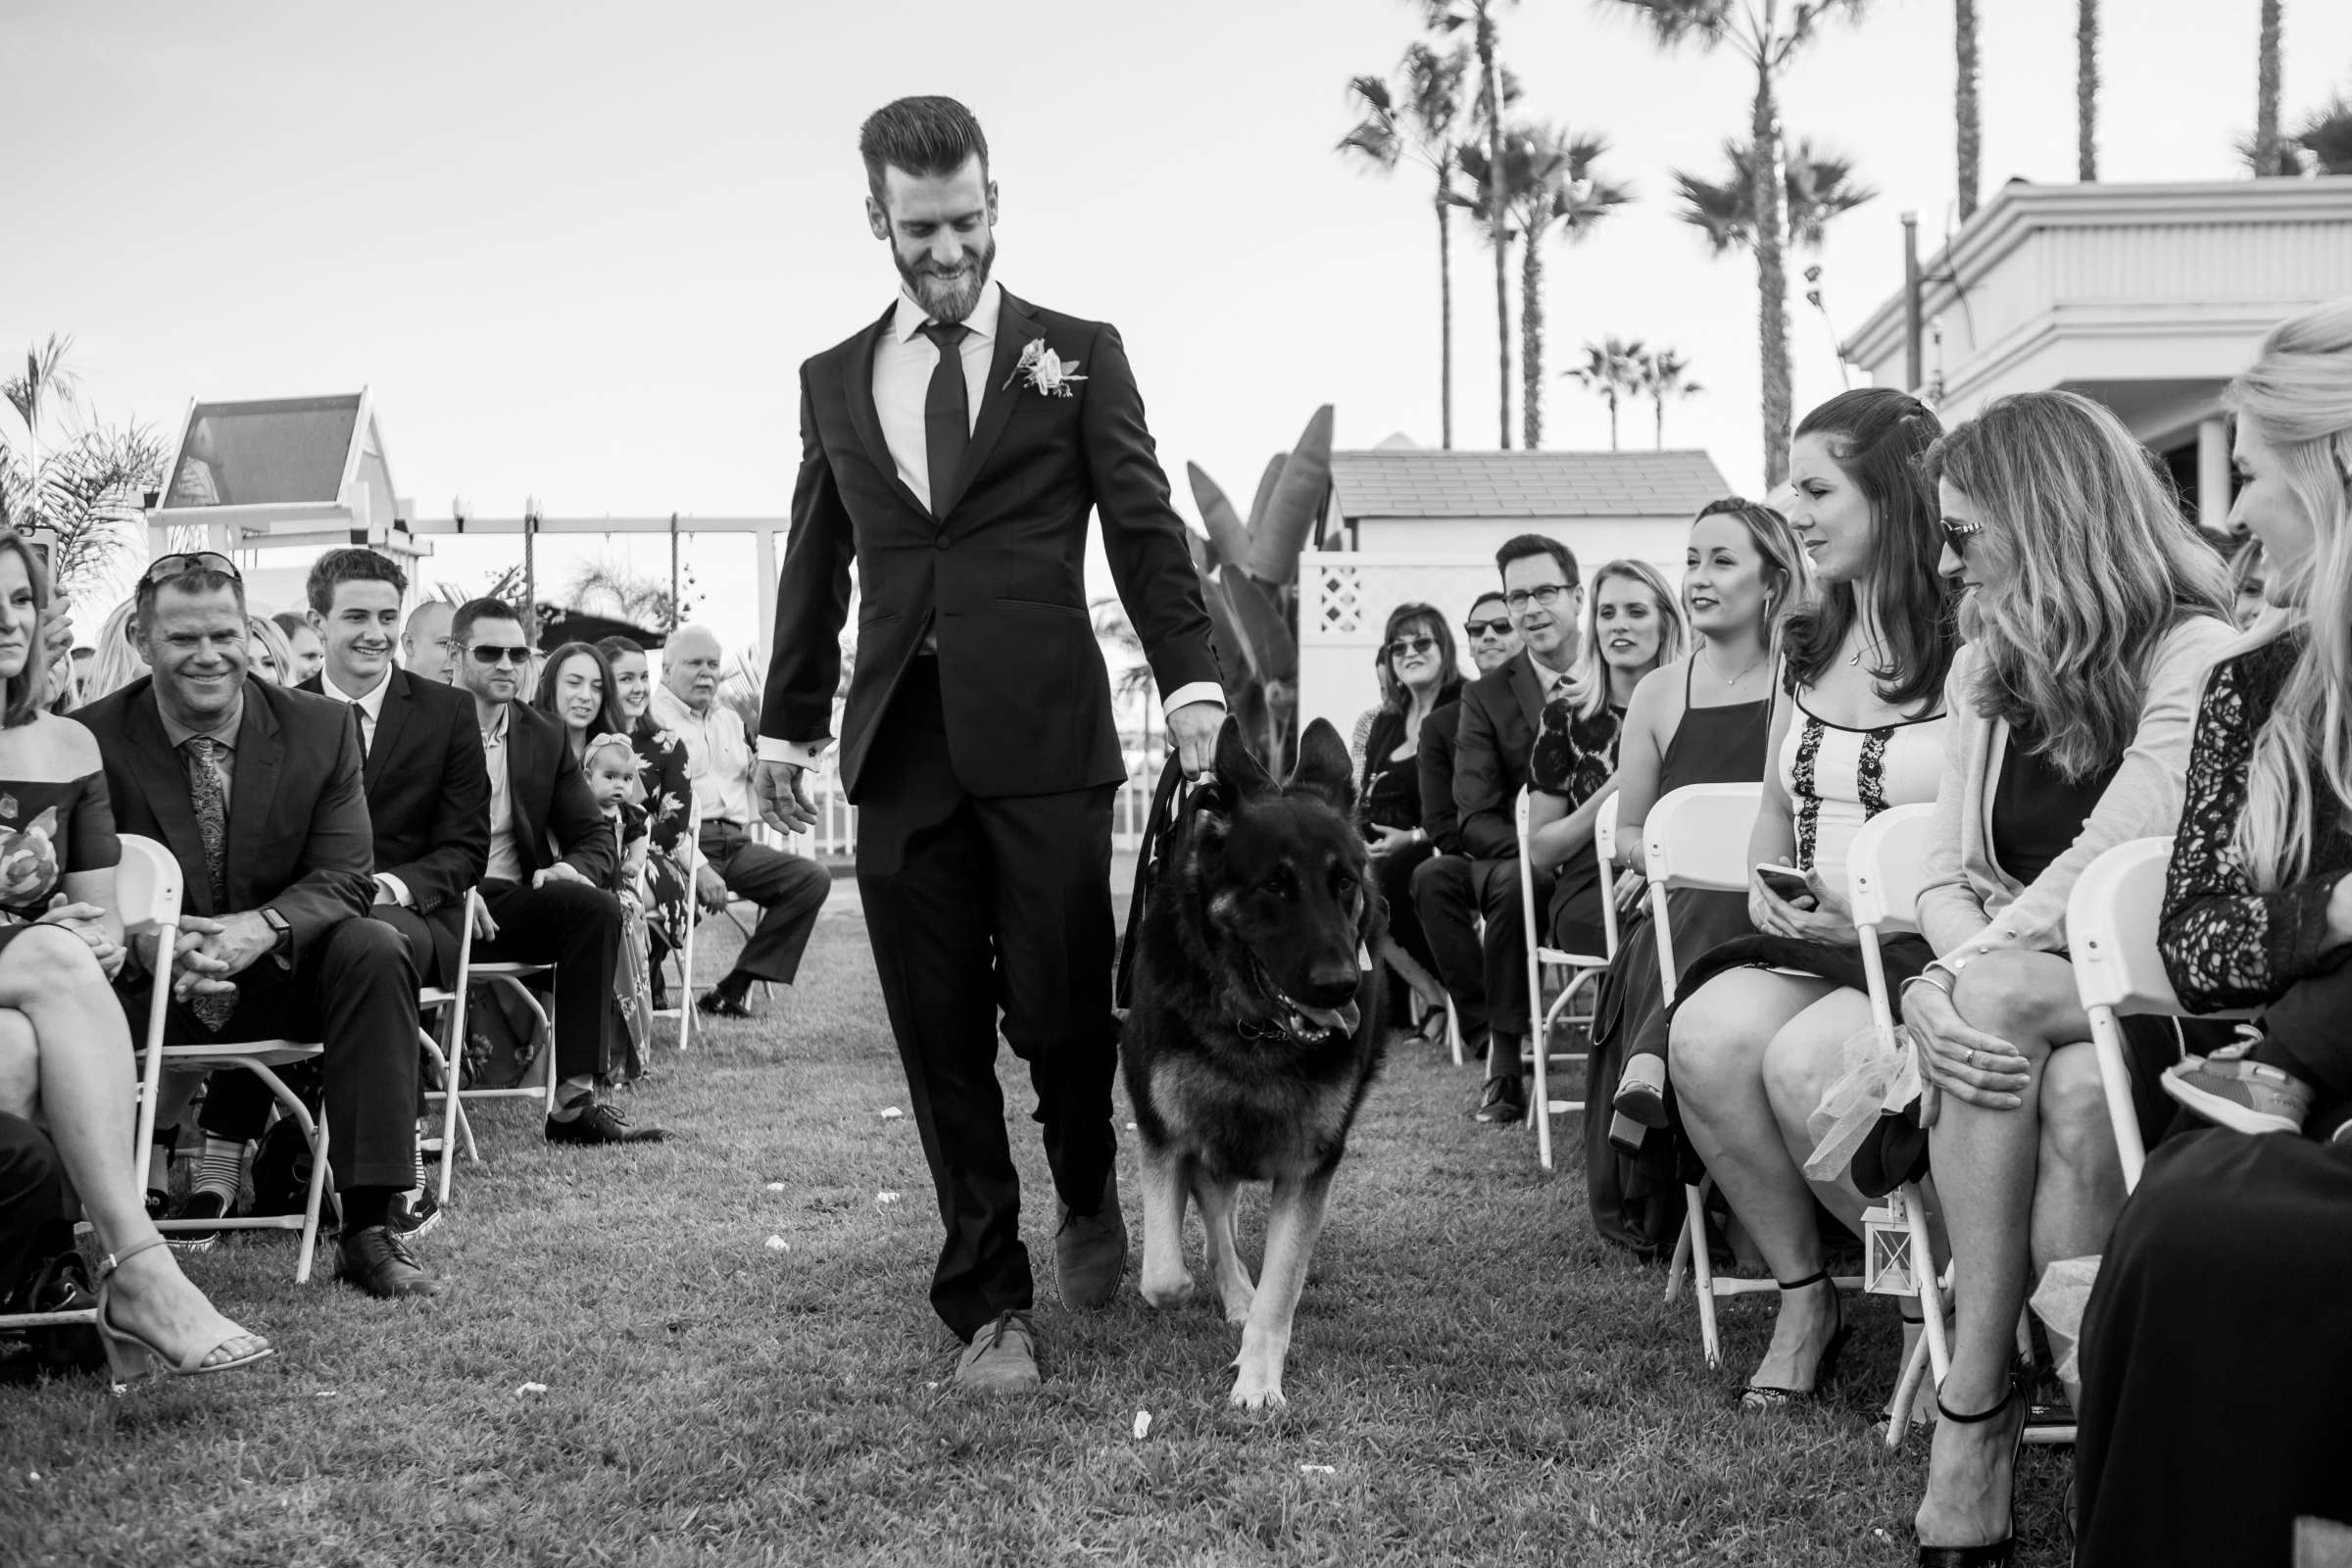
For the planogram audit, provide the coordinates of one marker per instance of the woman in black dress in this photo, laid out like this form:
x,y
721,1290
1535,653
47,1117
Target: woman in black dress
x,y
66,1056
1417,673
2215,1364
663,773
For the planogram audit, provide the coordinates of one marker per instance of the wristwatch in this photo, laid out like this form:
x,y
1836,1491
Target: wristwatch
x,y
284,932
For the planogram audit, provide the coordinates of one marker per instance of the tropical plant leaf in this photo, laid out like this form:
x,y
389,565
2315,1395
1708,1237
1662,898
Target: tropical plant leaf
x,y
1203,552
1235,656
1257,611
1225,530
1299,499
1265,493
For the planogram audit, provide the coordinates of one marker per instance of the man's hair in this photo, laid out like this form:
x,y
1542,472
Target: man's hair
x,y
927,136
1521,547
618,647
349,565
195,580
473,611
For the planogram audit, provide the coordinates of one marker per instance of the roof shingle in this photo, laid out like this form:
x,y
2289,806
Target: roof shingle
x,y
1524,484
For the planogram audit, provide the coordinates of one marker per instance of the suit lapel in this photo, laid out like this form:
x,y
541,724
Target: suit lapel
x,y
168,798
523,801
1528,687
391,718
260,754
859,372
1014,327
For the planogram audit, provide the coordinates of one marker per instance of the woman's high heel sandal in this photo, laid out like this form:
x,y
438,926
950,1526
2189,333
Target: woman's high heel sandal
x,y
1993,1553
1764,1396
131,1356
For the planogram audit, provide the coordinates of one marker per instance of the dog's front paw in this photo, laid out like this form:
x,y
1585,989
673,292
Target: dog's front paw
x,y
1258,1389
1165,1290
1239,1298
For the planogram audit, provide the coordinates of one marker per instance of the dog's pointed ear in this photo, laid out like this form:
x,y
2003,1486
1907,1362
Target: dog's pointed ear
x,y
1324,769
1240,774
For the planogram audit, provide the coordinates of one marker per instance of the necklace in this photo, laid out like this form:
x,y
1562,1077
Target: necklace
x,y
1727,682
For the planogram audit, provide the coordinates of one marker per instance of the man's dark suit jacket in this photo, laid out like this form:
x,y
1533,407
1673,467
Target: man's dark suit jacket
x,y
1434,763
547,795
1498,734
998,573
298,830
428,792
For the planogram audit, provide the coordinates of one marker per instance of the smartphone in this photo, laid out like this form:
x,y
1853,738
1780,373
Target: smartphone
x,y
1789,885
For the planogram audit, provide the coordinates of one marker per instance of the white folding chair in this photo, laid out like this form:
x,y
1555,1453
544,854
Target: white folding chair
x,y
148,888
453,1003
685,950
1583,970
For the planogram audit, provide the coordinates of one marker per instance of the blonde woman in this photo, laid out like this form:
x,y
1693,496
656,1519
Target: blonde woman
x,y
2235,1243
268,656
2094,611
117,661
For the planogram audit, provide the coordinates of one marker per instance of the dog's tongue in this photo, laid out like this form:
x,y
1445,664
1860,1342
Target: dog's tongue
x,y
1340,1020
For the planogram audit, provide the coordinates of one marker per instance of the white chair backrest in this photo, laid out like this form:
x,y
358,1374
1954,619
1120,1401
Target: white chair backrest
x,y
2111,929
147,884
1604,849
1604,829
1885,866
1697,836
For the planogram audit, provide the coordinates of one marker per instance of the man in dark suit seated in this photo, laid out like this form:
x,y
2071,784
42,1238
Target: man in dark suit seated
x,y
256,789
1492,640
547,901
1497,734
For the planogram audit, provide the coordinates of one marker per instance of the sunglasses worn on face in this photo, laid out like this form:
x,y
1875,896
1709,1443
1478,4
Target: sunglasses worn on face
x,y
167,567
492,654
1958,535
1545,597
1411,645
1499,626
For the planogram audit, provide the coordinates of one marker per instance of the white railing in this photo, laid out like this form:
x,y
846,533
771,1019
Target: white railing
x,y
835,836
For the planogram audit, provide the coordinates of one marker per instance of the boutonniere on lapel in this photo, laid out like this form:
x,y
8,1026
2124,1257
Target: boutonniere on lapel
x,y
1047,371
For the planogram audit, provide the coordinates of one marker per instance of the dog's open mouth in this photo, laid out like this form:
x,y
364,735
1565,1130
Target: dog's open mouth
x,y
1299,1020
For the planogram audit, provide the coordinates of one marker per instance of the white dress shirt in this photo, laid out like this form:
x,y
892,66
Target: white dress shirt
x,y
903,365
505,865
371,705
717,758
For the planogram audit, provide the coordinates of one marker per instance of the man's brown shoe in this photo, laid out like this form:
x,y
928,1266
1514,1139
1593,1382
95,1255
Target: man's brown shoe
x,y
1090,1250
1002,1358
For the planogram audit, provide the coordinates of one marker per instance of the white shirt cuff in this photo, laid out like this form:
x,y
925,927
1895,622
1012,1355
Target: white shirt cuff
x,y
1199,691
397,888
800,753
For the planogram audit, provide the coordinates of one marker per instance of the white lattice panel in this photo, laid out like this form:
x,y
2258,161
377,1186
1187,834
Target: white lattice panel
x,y
1344,606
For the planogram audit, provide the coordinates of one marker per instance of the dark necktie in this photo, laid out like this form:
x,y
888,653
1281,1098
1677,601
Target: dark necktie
x,y
211,826
947,411
359,710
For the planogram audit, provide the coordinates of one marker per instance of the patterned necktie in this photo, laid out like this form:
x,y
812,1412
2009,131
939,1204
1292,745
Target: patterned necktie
x,y
211,825
947,411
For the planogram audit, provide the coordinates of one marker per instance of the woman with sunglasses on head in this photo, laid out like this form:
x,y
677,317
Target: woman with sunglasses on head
x,y
2093,611
1416,671
69,1093
1636,627
1760,1028
1703,720
2192,1449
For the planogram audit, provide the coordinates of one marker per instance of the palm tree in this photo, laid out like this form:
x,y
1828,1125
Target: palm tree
x,y
1612,373
1817,187
1549,169
2327,135
1659,374
1422,123
1964,102
2270,156
80,486
2086,90
1767,34
1447,16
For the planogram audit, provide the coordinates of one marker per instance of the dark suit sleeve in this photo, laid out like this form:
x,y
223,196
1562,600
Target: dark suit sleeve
x,y
1480,782
812,596
1142,535
580,828
461,839
1436,766
338,857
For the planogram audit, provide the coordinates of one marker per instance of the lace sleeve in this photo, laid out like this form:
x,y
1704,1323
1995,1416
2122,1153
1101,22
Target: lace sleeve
x,y
2226,945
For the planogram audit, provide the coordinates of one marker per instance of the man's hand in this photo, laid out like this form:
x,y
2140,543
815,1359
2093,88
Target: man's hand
x,y
560,871
782,793
193,970
1194,728
485,929
709,890
236,941
1387,840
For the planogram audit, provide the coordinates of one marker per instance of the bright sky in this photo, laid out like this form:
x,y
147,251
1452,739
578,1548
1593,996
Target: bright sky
x,y
578,249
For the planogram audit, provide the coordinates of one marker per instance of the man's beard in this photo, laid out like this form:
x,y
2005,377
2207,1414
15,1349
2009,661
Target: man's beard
x,y
943,300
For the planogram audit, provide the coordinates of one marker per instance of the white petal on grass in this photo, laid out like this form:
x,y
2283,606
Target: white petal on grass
x,y
892,1113
886,1198
1143,1425
775,1187
777,1243
1316,1470
531,1387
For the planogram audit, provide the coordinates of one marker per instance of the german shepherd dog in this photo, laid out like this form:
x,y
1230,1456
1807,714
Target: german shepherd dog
x,y
1253,1030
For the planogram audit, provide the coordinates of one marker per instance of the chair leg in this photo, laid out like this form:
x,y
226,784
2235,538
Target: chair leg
x,y
1453,1031
1906,1394
1930,1302
1681,1262
1703,1271
315,1201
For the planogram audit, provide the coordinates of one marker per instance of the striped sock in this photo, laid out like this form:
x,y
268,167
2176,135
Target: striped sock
x,y
216,1168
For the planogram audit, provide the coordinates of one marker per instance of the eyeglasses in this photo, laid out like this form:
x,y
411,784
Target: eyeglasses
x,y
1542,598
492,654
1499,626
1958,534
1411,645
180,563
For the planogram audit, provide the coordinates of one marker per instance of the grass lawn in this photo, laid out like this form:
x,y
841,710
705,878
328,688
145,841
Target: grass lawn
x,y
1473,1379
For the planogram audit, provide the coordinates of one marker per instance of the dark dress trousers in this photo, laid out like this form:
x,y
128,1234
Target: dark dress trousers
x,y
298,843
428,803
576,927
984,775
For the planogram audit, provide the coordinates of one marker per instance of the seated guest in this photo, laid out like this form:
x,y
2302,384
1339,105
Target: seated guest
x,y
666,785
2189,1454
2092,614
1497,730
1636,626
116,660
1416,671
546,906
302,641
576,691
68,1095
257,791
1704,719
269,656
1453,939
789,889
426,649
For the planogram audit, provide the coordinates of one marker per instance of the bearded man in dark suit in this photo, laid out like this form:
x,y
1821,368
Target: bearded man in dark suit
x,y
952,450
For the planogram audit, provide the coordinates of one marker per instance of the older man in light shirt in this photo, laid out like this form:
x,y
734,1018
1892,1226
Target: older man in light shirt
x,y
789,889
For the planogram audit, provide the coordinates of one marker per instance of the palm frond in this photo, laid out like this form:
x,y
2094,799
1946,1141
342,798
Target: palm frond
x,y
1820,185
1675,21
2327,134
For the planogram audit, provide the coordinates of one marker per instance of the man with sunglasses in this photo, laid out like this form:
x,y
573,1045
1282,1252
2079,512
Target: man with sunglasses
x,y
256,790
551,857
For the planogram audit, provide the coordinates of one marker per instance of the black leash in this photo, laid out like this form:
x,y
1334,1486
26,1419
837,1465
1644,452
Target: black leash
x,y
1160,837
